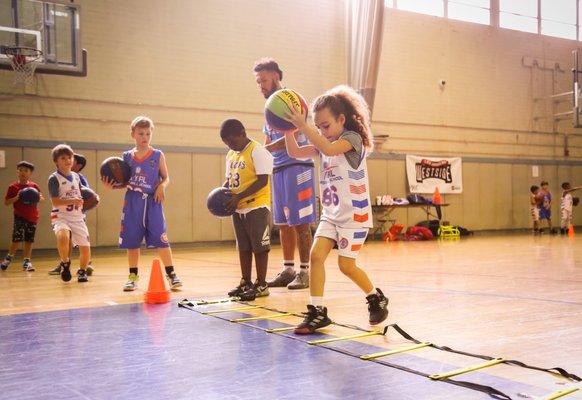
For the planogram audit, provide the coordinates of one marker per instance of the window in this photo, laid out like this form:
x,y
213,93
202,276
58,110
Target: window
x,y
521,15
559,18
470,10
430,7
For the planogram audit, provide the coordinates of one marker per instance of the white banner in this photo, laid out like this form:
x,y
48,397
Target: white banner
x,y
427,173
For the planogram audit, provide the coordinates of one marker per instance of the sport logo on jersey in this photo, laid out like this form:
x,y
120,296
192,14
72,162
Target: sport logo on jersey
x,y
266,239
164,238
343,243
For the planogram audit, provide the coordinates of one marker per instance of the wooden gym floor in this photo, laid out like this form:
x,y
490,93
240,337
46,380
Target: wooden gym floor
x,y
514,296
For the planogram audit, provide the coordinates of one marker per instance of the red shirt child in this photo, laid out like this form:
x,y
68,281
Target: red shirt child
x,y
27,211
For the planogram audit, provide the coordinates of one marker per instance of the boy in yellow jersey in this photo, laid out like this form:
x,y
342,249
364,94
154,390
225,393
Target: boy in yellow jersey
x,y
248,167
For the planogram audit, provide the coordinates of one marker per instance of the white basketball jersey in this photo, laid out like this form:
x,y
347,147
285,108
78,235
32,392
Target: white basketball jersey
x,y
567,202
68,189
344,191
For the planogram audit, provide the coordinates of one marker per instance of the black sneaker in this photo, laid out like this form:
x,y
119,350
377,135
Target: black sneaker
x,y
56,270
315,318
65,271
377,307
82,276
174,281
6,262
255,291
243,286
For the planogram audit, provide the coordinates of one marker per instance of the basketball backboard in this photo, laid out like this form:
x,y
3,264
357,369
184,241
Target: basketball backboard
x,y
51,27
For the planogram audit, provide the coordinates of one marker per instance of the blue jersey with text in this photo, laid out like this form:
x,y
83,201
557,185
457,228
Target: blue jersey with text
x,y
281,157
145,171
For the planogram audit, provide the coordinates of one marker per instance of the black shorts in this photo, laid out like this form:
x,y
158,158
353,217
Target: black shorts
x,y
253,230
23,230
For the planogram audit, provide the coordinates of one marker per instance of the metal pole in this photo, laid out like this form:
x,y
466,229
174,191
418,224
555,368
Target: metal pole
x,y
575,92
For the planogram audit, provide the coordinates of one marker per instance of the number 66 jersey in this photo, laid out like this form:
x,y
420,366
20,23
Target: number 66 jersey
x,y
65,187
344,186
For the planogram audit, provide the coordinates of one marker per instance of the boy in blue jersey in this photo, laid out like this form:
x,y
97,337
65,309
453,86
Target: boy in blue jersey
x,y
143,214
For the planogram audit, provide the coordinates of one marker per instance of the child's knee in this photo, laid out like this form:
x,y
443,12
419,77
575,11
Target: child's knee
x,y
316,258
347,266
63,234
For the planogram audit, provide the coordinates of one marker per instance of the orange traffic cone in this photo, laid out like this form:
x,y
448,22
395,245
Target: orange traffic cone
x,y
157,290
436,197
571,231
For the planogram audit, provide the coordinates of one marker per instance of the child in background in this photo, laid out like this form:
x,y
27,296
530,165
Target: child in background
x,y
566,207
534,207
344,141
25,216
67,215
546,206
79,162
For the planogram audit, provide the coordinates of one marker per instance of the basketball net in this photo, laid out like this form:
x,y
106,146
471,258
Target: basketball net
x,y
24,61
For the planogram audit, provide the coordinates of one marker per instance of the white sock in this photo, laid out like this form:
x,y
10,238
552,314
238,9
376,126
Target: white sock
x,y
304,265
288,264
316,301
372,292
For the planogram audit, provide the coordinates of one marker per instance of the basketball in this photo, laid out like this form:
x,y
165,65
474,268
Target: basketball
x,y
90,198
116,170
279,104
575,201
216,202
29,196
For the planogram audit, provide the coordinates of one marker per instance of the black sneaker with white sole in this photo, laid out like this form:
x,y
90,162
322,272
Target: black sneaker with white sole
x,y
243,286
66,271
377,307
315,318
82,276
55,271
255,291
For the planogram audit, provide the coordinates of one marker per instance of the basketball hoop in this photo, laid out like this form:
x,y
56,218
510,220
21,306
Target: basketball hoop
x,y
24,61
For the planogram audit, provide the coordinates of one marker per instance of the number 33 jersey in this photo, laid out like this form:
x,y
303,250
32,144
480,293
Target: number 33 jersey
x,y
66,187
344,191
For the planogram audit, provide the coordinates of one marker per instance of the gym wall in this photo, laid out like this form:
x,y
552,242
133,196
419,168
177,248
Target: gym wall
x,y
188,66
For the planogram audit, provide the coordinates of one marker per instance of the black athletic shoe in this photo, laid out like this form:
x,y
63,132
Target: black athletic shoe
x,y
243,286
66,271
82,276
377,307
55,271
315,318
254,291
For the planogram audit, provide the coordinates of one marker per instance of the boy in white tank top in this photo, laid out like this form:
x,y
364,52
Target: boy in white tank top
x,y
67,215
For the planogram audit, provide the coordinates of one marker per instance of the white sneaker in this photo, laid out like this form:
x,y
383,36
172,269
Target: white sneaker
x,y
27,266
131,283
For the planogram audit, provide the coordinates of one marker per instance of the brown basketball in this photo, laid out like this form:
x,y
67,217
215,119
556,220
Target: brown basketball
x,y
90,198
575,201
116,170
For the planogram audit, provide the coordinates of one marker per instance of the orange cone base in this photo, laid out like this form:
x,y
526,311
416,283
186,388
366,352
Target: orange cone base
x,y
157,297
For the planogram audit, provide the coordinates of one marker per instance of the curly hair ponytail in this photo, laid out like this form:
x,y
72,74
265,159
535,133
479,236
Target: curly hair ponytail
x,y
345,100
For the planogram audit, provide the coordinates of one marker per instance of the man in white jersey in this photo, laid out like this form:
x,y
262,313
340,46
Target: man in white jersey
x,y
67,215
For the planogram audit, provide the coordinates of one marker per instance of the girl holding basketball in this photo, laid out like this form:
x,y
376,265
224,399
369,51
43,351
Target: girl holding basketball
x,y
342,118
